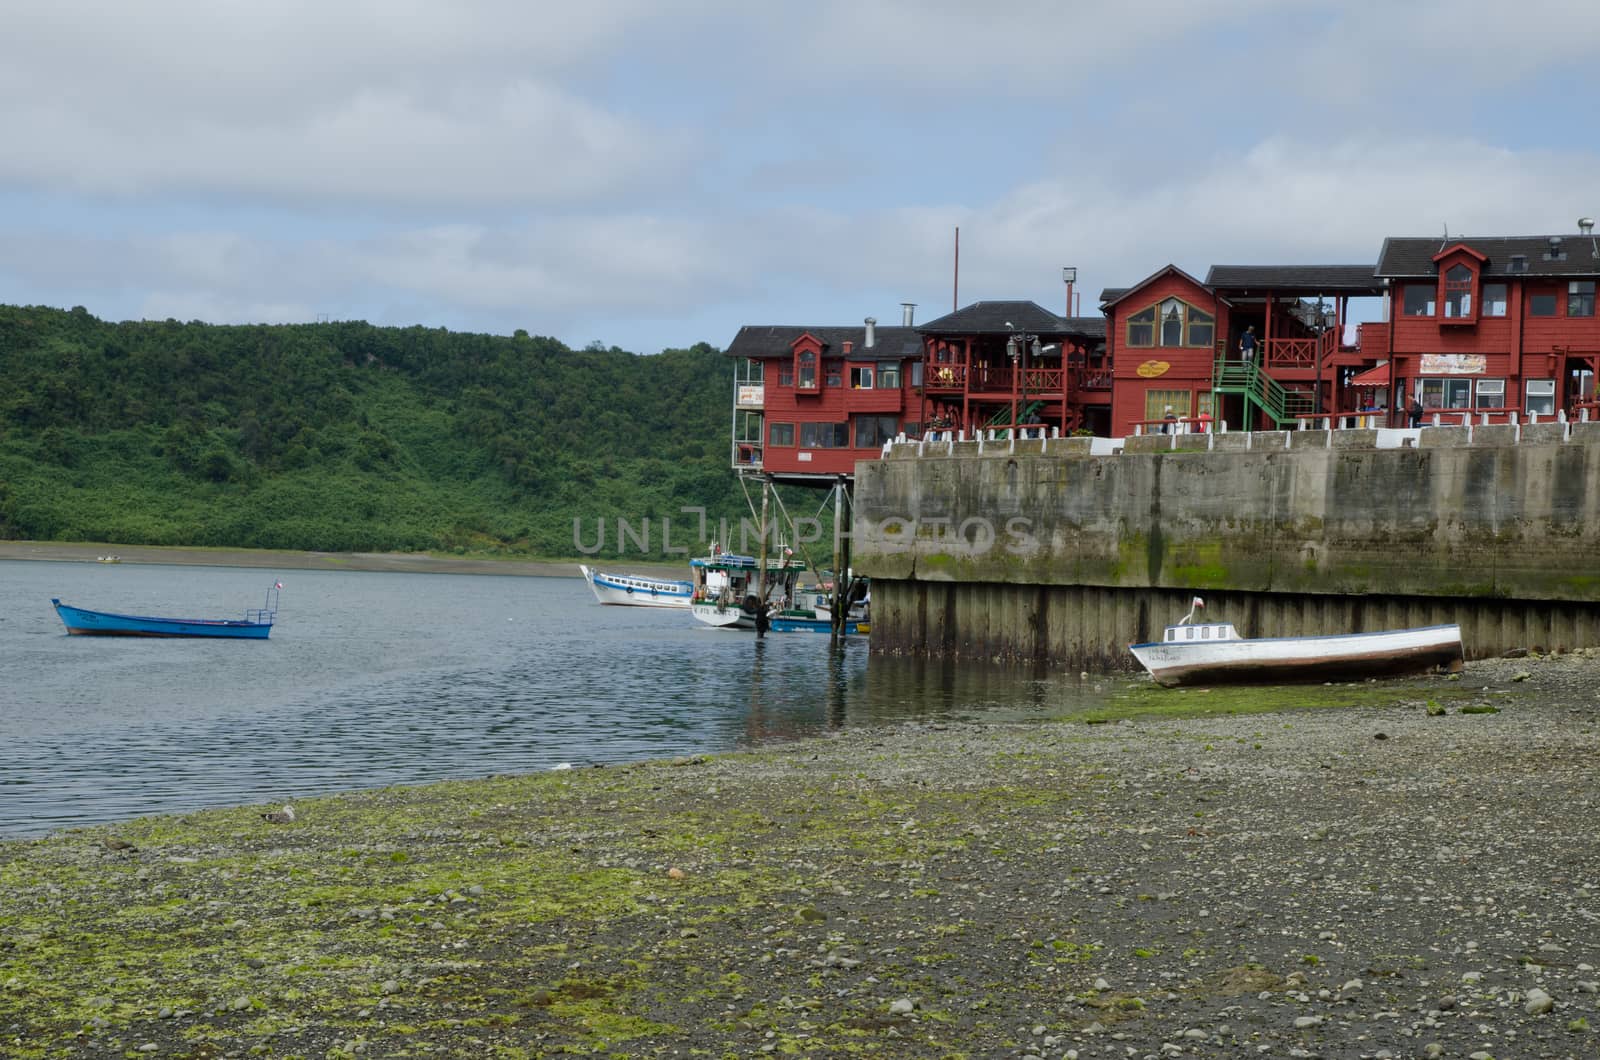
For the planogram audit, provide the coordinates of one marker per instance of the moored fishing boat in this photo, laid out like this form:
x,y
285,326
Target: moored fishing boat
x,y
727,596
727,588
255,625
1213,653
636,590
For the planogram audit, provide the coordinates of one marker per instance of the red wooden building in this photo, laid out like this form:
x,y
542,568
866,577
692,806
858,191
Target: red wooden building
x,y
1495,326
1005,364
1502,323
811,401
1174,343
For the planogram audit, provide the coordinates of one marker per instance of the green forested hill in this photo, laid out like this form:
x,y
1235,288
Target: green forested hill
x,y
347,437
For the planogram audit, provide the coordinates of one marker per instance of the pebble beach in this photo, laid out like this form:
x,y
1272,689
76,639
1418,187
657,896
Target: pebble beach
x,y
1417,875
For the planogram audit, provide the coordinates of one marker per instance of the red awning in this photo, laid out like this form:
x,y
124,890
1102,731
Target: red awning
x,y
1375,376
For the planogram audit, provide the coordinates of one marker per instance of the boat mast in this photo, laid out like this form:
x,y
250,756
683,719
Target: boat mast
x,y
761,565
841,557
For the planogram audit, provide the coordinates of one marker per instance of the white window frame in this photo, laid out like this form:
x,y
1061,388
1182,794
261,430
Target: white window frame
x,y
1491,388
1542,389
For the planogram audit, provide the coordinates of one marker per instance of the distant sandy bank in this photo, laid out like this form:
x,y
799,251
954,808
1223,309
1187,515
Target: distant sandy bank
x,y
418,562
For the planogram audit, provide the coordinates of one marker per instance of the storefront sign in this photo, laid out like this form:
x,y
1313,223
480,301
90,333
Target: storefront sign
x,y
1152,369
1453,364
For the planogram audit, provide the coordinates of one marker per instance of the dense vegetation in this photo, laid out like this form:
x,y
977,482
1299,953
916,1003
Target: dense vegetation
x,y
349,437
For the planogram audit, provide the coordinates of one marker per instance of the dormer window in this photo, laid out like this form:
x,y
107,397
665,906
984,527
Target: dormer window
x,y
805,370
1458,302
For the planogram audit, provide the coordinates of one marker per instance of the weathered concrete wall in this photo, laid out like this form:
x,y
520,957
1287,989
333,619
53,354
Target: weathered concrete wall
x,y
1065,556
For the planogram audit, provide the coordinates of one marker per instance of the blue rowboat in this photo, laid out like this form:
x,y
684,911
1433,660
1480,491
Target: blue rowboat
x,y
255,625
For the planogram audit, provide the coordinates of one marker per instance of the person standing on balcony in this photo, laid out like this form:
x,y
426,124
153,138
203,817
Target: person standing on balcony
x,y
1247,344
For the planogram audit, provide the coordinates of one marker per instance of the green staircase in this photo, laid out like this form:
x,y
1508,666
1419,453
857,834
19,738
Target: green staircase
x,y
1003,417
1259,390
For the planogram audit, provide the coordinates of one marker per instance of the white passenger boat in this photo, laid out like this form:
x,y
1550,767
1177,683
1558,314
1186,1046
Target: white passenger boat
x,y
1191,653
636,590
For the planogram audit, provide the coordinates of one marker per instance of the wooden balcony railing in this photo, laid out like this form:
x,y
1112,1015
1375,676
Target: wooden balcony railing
x,y
1091,379
1302,352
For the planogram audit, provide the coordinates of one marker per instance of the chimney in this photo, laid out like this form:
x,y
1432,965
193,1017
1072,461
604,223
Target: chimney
x,y
1586,225
872,338
907,311
848,345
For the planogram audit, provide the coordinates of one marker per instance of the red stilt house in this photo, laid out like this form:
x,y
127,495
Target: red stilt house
x,y
811,401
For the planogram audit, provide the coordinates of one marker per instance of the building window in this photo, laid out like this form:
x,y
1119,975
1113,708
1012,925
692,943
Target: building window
x,y
888,375
805,370
834,373
1580,298
861,378
1540,395
1142,328
1542,305
1156,403
1491,394
1181,325
1418,300
1172,322
1494,299
873,431
824,436
786,375
1457,293
916,373
1446,393
780,434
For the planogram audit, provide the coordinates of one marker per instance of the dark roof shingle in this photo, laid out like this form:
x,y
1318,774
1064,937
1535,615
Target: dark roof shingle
x,y
1291,279
1005,318
777,340
1408,256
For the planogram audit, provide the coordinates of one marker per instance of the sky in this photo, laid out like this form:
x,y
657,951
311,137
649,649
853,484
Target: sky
x,y
649,175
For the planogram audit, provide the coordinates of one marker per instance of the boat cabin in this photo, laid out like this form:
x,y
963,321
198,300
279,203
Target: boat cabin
x,y
1200,631
727,579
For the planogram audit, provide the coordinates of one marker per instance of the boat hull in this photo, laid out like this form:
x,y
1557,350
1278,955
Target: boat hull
x,y
81,622
820,624
723,617
1284,660
631,590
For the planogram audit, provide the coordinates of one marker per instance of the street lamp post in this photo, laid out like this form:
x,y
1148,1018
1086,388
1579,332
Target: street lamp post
x,y
1069,276
1017,348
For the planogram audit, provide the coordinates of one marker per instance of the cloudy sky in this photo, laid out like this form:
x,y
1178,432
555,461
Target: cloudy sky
x,y
652,175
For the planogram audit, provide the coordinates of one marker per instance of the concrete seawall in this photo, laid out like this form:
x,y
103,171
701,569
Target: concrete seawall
x,y
1043,551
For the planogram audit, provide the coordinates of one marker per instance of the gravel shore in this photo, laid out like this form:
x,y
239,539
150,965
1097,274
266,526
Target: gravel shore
x,y
1418,876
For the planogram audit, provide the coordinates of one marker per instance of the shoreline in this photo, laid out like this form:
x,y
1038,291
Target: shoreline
x,y
412,562
1415,876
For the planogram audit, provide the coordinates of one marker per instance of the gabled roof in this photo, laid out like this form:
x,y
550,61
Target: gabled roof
x,y
1405,257
1462,248
1112,295
1294,279
766,340
998,318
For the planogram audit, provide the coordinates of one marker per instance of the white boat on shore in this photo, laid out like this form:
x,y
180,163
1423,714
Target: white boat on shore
x,y
636,590
1191,653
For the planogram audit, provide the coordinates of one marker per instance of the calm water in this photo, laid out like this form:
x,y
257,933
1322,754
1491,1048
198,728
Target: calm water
x,y
372,679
